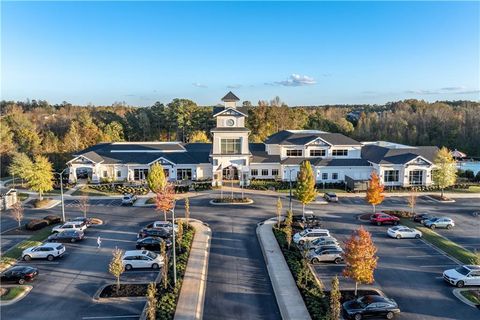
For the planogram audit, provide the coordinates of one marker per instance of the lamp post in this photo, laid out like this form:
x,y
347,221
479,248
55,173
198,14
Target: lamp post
x,y
290,175
173,239
61,192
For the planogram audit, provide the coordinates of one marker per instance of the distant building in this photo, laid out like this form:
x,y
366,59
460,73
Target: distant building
x,y
334,157
8,197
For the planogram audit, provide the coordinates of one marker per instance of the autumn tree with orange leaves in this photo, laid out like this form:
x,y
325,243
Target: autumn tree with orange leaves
x,y
165,199
360,257
375,189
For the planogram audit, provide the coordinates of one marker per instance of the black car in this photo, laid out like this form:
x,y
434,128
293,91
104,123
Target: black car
x,y
370,306
310,221
19,274
66,236
419,217
152,244
157,233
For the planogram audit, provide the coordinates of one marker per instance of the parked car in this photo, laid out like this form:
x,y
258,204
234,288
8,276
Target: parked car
x,y
53,219
310,221
370,306
49,251
383,218
326,254
153,232
165,225
468,275
309,235
128,199
141,259
420,217
86,221
78,226
330,197
19,274
152,244
439,223
400,232
323,241
66,236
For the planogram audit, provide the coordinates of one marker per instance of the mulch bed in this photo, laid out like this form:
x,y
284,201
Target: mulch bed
x,y
126,290
365,216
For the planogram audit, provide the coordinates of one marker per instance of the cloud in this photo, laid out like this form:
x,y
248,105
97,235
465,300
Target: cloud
x,y
234,86
295,80
444,90
199,85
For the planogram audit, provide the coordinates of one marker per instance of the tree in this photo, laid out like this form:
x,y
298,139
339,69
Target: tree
x,y
179,234
289,218
152,301
165,200
40,178
445,172
21,166
156,178
412,200
116,267
187,210
288,235
375,189
305,191
83,205
113,132
279,211
17,212
6,139
335,297
198,136
360,257
163,253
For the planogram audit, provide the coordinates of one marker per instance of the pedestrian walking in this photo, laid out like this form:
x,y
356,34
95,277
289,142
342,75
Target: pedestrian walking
x,y
99,242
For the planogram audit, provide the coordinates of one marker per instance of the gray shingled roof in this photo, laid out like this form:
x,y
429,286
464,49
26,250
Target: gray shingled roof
x,y
323,162
286,137
219,109
383,155
230,97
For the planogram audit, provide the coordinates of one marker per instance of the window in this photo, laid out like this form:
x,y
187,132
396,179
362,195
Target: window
x,y
415,177
184,174
335,176
231,146
317,153
105,174
294,153
264,172
274,172
254,172
324,176
390,176
140,174
119,174
340,152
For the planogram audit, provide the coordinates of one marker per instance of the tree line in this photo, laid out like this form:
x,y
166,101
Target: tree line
x,y
57,131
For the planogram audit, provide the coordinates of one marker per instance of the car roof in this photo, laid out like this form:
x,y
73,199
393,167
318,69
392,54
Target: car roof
x,y
50,244
374,298
331,194
472,267
135,252
316,230
20,268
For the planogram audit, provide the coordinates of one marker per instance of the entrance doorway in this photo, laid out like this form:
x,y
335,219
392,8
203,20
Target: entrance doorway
x,y
230,173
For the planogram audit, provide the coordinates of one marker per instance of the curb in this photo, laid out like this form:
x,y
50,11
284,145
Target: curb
x,y
440,201
289,300
18,298
459,296
230,204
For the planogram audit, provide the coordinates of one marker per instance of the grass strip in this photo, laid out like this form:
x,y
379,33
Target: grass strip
x,y
13,292
472,295
449,247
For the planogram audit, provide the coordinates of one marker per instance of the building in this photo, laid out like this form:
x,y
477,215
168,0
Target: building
x,y
8,197
335,158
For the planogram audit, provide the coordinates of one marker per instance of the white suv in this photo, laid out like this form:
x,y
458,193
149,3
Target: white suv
x,y
310,235
141,259
72,225
463,276
48,250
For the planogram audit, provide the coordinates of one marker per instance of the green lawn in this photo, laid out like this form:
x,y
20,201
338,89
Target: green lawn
x,y
22,196
449,247
13,292
472,295
471,189
93,192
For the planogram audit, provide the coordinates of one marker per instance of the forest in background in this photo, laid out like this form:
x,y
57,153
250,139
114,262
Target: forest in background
x,y
37,127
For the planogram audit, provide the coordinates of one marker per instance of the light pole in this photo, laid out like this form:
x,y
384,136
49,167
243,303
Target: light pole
x,y
290,175
173,239
61,192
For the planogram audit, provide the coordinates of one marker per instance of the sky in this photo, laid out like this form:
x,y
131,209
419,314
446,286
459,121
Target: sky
x,y
307,53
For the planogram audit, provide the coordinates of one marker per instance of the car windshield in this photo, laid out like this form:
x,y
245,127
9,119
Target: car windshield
x,y
462,270
59,247
126,198
304,232
152,255
396,228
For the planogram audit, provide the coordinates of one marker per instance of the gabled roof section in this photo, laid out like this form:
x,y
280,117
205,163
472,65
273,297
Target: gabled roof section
x,y
384,155
302,137
228,111
259,155
229,97
90,155
327,162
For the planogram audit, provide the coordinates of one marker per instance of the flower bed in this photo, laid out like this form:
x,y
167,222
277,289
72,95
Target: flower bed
x,y
125,290
232,200
119,188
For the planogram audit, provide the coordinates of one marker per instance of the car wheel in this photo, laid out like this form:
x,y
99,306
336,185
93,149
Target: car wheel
x,y
379,223
155,266
358,316
128,267
389,315
21,281
417,236
315,260
337,260
142,248
27,258
460,284
449,227
398,236
433,226
50,257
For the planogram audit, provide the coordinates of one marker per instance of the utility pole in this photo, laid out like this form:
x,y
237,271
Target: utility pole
x,y
61,192
174,246
290,171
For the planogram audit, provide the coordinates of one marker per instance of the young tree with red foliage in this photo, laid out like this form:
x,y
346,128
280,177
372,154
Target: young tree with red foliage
x,y
375,190
165,199
360,257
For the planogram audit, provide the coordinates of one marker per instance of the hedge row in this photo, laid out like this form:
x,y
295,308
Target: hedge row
x,y
37,224
257,184
138,190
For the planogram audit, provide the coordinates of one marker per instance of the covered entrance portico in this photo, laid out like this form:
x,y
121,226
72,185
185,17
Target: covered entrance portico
x,y
230,173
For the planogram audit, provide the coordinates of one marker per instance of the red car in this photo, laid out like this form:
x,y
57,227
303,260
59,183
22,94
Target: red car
x,y
383,218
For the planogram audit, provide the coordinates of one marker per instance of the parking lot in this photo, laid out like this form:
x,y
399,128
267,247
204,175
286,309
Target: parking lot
x,y
98,202
409,270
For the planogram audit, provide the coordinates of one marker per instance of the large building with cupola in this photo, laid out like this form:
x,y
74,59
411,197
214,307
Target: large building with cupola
x,y
334,157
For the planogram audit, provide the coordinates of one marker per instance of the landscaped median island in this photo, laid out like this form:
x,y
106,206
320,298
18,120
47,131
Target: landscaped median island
x,y
472,295
232,200
10,293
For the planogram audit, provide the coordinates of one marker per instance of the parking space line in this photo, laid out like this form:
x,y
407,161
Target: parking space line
x,y
425,255
113,317
438,265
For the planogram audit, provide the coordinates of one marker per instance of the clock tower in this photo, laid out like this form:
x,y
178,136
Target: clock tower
x,y
230,152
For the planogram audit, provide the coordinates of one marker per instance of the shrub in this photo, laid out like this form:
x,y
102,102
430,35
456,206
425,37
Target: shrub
x,y
231,200
399,213
52,219
41,203
36,224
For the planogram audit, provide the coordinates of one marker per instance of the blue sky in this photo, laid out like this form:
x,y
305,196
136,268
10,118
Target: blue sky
x,y
307,53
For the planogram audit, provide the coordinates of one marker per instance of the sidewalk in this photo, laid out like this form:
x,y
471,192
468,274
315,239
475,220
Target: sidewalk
x,y
289,299
192,295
